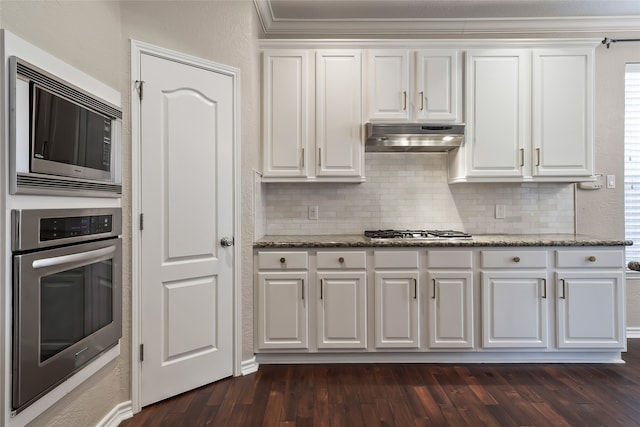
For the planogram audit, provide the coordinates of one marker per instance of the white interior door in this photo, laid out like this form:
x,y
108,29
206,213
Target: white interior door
x,y
186,191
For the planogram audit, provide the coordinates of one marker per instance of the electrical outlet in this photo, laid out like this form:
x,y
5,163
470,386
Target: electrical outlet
x,y
500,211
313,212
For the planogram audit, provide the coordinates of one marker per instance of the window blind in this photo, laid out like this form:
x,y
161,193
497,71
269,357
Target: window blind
x,y
632,160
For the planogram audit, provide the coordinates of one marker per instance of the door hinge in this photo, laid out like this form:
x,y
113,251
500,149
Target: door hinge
x,y
142,352
141,221
138,85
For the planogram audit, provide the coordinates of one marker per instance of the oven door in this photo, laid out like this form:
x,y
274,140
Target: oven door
x,y
67,310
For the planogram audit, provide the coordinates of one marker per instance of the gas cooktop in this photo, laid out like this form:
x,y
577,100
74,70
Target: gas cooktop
x,y
416,234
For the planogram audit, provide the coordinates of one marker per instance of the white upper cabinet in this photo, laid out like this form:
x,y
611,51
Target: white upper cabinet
x,y
438,86
339,147
287,111
312,115
562,112
529,116
497,131
421,85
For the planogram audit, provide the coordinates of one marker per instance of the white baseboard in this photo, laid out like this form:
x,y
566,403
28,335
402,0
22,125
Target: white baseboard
x,y
633,332
121,412
249,366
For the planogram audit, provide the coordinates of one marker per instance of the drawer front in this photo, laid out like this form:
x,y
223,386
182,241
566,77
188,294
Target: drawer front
x,y
395,259
513,259
590,258
282,261
449,259
338,260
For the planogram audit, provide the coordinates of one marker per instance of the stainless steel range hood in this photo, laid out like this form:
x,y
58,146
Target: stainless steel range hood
x,y
413,137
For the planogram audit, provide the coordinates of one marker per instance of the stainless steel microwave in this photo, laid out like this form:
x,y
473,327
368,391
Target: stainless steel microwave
x,y
64,140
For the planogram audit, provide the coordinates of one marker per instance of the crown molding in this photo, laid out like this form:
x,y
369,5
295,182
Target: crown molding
x,y
277,27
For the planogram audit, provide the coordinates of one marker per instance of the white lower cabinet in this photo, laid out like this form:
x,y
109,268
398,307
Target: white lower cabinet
x,y
397,300
514,310
464,303
450,299
590,304
514,298
342,300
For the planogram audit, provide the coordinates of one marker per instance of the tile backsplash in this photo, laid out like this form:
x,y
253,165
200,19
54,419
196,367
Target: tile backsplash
x,y
411,191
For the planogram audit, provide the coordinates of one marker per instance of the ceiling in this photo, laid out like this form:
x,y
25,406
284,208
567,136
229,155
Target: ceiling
x,y
444,17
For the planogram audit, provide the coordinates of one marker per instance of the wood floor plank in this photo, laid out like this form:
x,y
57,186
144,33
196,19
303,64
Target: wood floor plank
x,y
403,395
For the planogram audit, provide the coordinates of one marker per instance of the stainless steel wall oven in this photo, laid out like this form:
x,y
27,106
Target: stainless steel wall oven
x,y
67,294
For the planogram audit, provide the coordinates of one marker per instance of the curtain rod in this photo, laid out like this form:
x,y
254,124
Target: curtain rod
x,y
607,41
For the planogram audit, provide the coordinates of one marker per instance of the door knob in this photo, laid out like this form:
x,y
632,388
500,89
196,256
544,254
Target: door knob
x,y
225,242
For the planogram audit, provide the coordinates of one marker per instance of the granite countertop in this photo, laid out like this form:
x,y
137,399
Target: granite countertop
x,y
634,265
495,240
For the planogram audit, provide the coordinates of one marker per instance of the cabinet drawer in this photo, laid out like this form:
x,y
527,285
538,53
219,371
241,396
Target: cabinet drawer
x,y
395,259
513,259
449,259
282,260
590,258
342,260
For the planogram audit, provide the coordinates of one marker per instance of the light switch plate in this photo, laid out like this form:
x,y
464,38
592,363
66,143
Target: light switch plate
x,y
313,212
500,211
611,181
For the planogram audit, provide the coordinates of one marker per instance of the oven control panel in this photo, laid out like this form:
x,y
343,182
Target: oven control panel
x,y
66,227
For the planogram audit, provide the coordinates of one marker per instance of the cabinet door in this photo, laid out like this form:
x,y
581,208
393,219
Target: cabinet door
x,y
388,89
287,109
342,310
282,310
438,86
514,310
563,112
450,310
397,305
340,151
497,112
590,308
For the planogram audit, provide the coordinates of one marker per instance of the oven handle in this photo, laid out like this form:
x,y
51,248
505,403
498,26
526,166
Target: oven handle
x,y
68,259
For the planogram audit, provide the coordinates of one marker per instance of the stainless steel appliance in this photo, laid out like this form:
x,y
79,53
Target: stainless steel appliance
x,y
67,294
416,234
63,140
413,137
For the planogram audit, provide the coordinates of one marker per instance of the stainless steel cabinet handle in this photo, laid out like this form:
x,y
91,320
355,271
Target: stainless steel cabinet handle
x,y
591,259
415,288
225,242
538,156
404,102
564,289
319,156
421,100
544,288
321,288
302,158
433,295
516,259
302,282
522,157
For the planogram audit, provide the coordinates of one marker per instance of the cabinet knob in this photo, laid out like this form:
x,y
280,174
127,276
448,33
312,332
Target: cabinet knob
x,y
341,260
591,259
282,260
516,259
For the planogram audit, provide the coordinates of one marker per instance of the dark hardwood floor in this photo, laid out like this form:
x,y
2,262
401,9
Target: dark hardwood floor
x,y
413,395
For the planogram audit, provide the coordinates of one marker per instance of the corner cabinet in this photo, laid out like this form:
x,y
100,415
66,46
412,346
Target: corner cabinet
x,y
421,85
529,116
312,116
